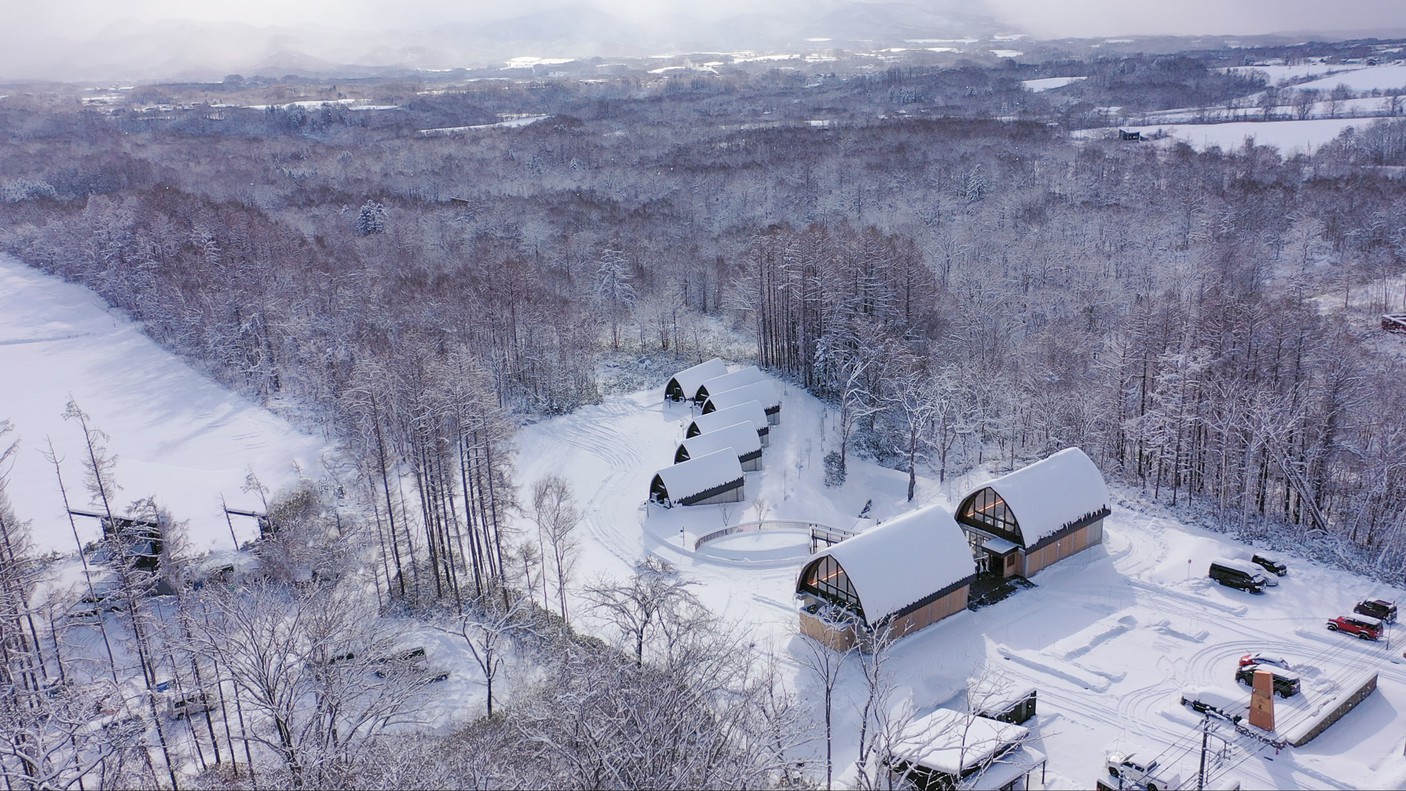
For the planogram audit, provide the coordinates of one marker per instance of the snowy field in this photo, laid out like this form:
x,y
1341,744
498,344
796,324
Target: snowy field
x,y
1109,637
1383,77
1049,83
1279,73
177,435
1288,136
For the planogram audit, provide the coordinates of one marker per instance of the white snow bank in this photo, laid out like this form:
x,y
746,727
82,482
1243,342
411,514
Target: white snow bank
x,y
904,560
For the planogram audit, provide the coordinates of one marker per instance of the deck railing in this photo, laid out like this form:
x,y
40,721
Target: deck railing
x,y
819,533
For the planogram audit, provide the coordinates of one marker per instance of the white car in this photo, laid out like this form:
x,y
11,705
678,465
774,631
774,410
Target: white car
x,y
1130,770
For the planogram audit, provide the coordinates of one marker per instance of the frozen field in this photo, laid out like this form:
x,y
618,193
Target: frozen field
x,y
177,435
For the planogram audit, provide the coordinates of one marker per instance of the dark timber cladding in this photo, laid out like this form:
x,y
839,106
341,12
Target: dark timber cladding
x,y
1038,514
683,386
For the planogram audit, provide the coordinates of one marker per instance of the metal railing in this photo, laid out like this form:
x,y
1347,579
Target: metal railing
x,y
818,532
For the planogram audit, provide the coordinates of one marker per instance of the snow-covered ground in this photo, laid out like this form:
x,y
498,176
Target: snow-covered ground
x,y
1049,83
1383,77
1109,637
177,435
1279,73
1288,136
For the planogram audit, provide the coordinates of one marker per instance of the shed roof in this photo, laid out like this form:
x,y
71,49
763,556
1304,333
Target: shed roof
x,y
763,391
953,742
741,437
1052,493
689,479
751,411
689,379
904,560
742,376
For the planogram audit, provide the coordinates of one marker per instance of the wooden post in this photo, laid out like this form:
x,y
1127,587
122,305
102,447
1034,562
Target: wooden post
x,y
1262,701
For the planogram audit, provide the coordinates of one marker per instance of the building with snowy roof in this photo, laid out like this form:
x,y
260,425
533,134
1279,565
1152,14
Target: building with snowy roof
x,y
750,412
1020,523
948,749
763,392
904,574
702,480
728,381
741,438
683,386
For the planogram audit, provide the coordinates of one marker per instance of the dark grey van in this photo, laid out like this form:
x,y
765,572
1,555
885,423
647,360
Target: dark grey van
x,y
1237,574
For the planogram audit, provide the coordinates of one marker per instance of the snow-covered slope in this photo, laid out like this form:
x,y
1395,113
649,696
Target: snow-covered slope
x,y
177,435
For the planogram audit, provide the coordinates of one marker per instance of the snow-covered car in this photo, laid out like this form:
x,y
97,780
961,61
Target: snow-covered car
x,y
1381,609
1128,768
1273,566
1213,701
1359,626
1258,658
1286,682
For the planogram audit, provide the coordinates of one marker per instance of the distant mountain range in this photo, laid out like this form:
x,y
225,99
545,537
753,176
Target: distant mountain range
x,y
204,50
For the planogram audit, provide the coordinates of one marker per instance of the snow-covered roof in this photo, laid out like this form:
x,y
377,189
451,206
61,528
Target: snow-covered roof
x,y
740,437
952,742
763,391
686,480
752,412
904,560
689,379
1052,493
742,376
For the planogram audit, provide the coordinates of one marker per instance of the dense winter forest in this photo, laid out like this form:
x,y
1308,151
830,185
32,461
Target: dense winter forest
x,y
925,247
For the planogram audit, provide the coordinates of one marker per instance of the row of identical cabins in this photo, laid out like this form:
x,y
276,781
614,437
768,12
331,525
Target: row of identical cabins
x,y
911,571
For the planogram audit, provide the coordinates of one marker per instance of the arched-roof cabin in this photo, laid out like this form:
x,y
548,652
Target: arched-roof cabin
x,y
1022,522
741,438
906,573
750,412
683,385
738,378
764,392
702,480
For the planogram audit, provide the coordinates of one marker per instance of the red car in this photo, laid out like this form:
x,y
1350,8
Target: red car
x,y
1359,625
1261,659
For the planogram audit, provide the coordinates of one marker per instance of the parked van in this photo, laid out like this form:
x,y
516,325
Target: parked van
x,y
1237,574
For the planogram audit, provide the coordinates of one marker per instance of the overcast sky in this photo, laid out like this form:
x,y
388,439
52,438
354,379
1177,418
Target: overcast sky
x,y
1044,18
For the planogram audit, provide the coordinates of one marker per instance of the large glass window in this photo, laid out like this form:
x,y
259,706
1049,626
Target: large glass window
x,y
986,507
827,578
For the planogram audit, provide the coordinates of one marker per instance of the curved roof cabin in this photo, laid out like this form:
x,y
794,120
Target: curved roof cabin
x,y
702,480
751,412
908,572
1038,514
738,378
683,385
741,438
764,391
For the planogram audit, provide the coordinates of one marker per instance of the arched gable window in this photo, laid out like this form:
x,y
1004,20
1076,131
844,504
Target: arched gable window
x,y
827,579
986,508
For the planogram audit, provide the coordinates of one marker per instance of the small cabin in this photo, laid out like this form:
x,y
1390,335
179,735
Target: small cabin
x,y
1021,523
763,392
948,749
702,480
738,378
751,412
683,386
1129,134
904,574
740,438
